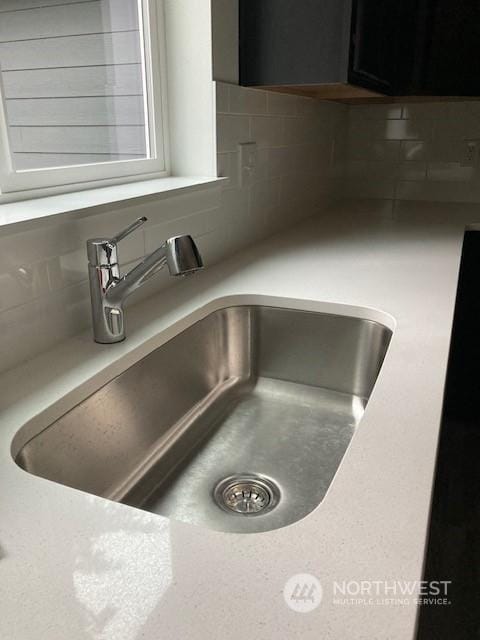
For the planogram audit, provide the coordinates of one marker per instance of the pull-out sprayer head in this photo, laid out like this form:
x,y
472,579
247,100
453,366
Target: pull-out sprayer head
x,y
183,256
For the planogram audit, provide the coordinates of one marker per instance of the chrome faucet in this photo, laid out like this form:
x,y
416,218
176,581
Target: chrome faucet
x,y
109,289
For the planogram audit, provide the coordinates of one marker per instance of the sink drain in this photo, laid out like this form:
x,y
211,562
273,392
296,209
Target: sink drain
x,y
247,495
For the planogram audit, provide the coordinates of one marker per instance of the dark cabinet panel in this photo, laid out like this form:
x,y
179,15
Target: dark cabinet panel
x,y
448,37
392,47
373,44
294,41
384,45
453,550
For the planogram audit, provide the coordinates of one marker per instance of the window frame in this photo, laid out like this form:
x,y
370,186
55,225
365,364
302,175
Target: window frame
x,y
49,181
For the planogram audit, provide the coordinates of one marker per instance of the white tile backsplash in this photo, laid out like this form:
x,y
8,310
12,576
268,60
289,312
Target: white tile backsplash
x,y
412,171
413,151
281,104
44,296
306,148
267,131
247,100
421,147
231,129
223,97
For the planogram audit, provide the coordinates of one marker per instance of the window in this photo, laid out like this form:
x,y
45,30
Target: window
x,y
82,93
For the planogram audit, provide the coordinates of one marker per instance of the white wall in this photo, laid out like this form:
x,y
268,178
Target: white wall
x,y
44,294
413,152
191,99
299,157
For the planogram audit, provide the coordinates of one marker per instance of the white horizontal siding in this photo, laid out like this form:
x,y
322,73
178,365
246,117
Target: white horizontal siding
x,y
34,160
81,81
21,5
126,139
69,20
121,110
72,79
97,49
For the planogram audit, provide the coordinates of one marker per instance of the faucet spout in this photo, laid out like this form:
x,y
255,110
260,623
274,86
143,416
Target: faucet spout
x,y
109,289
120,289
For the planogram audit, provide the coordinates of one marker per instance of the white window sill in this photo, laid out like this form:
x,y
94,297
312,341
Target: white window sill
x,y
35,209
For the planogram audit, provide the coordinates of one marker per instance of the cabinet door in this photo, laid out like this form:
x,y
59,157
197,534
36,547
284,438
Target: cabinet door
x,y
448,44
294,41
373,44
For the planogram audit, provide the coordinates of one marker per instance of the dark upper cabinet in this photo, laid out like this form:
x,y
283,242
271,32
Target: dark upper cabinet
x,y
294,41
372,47
348,48
447,44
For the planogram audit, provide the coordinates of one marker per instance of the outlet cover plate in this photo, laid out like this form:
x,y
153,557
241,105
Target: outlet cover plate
x,y
248,163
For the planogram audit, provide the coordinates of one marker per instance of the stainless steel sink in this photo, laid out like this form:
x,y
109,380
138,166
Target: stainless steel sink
x,y
238,424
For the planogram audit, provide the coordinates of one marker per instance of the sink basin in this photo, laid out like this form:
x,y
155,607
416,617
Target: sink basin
x,y
239,423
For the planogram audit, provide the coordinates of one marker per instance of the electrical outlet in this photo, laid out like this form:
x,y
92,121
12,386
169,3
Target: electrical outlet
x,y
470,153
248,163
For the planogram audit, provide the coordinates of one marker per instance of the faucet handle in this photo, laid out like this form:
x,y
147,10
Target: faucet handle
x,y
128,230
103,251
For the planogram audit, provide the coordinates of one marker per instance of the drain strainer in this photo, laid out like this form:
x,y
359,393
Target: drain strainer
x,y
247,495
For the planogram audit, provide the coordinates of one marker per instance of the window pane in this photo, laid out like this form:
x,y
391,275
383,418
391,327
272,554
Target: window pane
x,y
73,81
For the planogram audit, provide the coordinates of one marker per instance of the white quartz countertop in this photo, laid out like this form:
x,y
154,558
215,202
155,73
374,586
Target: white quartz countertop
x,y
77,567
